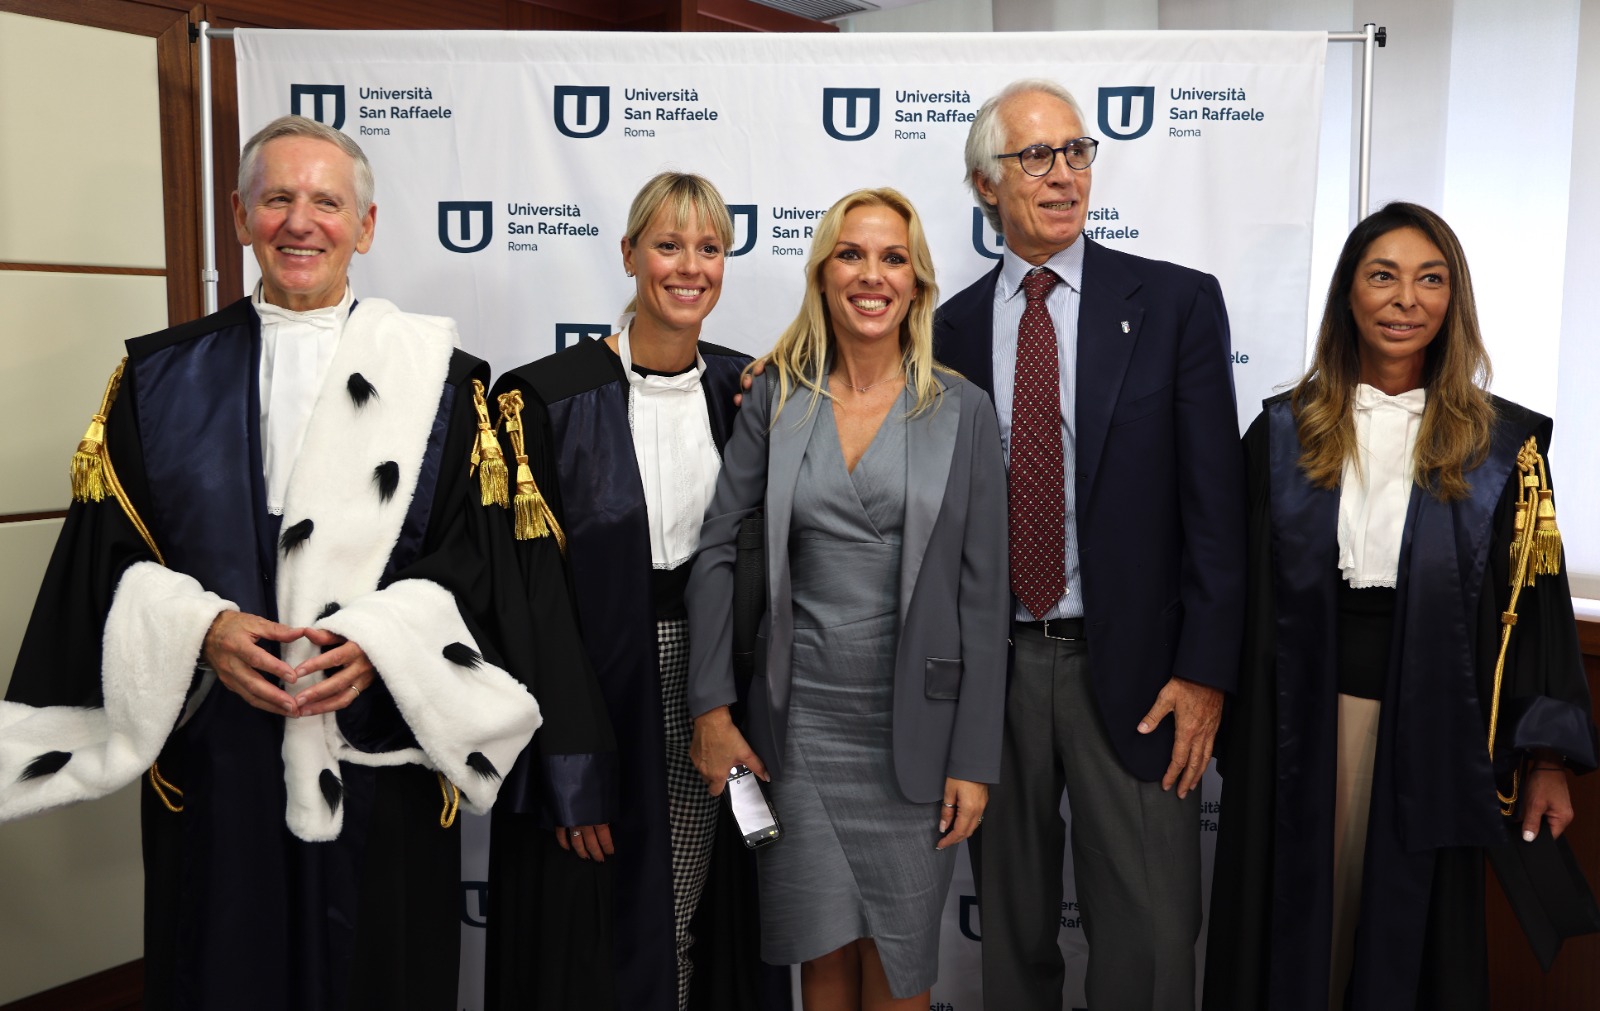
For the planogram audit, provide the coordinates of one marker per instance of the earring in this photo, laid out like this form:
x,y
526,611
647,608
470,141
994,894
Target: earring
x,y
628,272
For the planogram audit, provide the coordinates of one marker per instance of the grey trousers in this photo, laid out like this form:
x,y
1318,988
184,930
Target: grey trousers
x,y
1135,853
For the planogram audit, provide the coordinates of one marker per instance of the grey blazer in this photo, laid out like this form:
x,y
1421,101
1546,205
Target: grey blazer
x,y
950,666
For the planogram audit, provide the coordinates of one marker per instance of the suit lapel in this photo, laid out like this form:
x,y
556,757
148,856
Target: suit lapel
x,y
1104,351
965,335
930,448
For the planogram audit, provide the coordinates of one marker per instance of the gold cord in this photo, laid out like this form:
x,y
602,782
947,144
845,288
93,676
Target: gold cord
x,y
452,801
162,786
1535,551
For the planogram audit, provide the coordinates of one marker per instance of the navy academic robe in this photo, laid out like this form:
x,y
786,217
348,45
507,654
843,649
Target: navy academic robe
x,y
1420,942
564,932
240,913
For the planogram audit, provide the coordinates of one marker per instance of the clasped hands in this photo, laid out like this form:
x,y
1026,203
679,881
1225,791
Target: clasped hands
x,y
246,669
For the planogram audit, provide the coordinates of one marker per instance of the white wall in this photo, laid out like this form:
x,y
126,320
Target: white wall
x,y
80,184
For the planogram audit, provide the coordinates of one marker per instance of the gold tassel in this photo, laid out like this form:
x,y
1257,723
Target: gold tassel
x,y
486,454
1546,538
534,517
1535,551
89,462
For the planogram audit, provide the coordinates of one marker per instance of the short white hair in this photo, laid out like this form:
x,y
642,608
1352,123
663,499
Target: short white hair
x,y
986,137
300,126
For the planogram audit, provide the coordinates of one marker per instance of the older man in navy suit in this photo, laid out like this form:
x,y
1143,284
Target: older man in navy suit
x,y
1111,377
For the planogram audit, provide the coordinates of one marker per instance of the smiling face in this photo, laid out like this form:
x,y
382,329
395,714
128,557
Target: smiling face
x,y
1399,299
677,270
1040,215
868,282
302,221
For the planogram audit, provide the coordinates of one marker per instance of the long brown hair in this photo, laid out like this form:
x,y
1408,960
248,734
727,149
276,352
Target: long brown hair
x,y
1454,436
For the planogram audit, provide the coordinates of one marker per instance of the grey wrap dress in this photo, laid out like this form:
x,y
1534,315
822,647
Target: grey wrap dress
x,y
856,859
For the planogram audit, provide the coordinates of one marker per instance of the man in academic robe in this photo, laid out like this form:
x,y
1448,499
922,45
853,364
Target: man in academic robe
x,y
278,600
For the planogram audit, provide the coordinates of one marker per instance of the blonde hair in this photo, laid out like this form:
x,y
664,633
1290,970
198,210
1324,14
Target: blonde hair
x,y
686,194
800,357
1454,436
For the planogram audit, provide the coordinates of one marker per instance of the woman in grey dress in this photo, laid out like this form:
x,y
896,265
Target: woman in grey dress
x,y
876,706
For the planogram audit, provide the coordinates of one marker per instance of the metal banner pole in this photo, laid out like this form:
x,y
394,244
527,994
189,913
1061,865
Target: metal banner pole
x,y
208,182
1372,38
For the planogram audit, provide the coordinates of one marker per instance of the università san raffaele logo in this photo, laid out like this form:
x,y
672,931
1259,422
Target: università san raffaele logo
x,y
321,102
582,111
465,226
850,113
1117,111
568,334
981,240
744,228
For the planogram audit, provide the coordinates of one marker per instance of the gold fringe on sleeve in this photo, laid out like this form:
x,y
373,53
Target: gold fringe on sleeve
x,y
89,462
93,476
534,518
486,453
1535,551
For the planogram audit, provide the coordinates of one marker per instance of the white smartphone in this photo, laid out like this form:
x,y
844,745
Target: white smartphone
x,y
757,822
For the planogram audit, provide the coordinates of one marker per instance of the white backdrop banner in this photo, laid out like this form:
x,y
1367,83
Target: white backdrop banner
x,y
506,163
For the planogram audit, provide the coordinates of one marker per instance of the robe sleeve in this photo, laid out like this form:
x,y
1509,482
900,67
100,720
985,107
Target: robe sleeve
x,y
569,773
1238,944
110,654
1545,696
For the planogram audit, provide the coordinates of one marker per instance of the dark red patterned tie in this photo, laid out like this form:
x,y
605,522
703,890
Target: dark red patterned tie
x,y
1038,498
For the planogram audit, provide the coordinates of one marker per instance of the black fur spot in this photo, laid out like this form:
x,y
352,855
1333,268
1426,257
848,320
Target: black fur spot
x,y
331,608
51,762
294,536
360,390
462,655
386,476
332,790
479,762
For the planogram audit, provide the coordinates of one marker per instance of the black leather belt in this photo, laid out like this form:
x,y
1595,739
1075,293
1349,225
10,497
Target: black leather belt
x,y
1062,629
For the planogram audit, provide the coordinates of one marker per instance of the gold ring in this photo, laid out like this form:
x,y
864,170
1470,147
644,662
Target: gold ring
x,y
355,689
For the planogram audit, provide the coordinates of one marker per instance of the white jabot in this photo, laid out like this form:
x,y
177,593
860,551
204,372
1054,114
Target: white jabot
x,y
678,461
1375,489
296,349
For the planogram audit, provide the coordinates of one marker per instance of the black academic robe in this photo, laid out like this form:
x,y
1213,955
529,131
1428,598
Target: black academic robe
x,y
1420,940
564,932
240,911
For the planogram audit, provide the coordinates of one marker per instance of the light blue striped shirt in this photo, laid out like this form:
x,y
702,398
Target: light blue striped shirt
x,y
1062,302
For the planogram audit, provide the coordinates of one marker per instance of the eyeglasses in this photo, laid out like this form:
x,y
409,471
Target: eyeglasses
x,y
1039,159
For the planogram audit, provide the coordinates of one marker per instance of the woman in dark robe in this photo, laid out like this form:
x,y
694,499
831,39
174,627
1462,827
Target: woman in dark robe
x,y
597,874
1366,764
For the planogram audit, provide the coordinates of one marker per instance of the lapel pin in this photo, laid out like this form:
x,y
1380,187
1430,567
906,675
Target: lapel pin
x,y
1125,327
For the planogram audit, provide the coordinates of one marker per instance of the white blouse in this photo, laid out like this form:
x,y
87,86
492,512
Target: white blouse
x,y
677,457
296,350
1375,489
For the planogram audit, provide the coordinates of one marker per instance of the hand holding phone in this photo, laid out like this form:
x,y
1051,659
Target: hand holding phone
x,y
757,822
